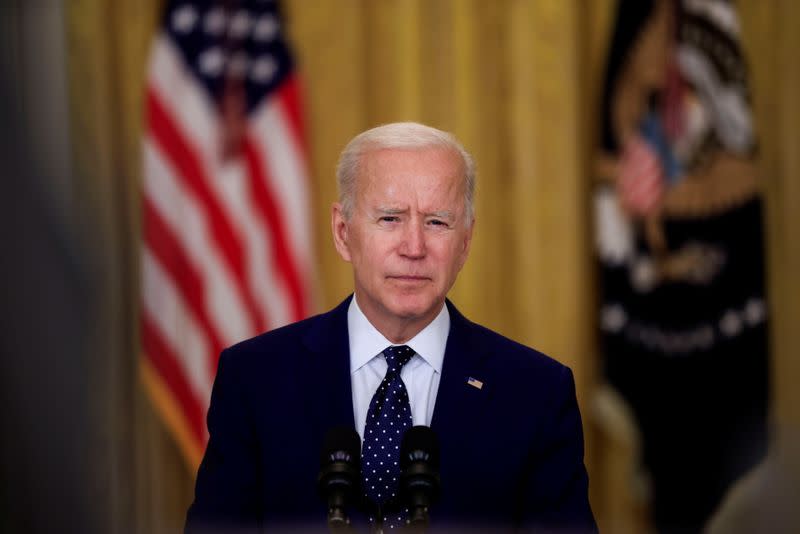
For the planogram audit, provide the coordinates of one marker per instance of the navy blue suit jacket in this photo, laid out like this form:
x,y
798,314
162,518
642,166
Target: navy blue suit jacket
x,y
511,452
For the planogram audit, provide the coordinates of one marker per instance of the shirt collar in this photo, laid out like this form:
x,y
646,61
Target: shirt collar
x,y
366,342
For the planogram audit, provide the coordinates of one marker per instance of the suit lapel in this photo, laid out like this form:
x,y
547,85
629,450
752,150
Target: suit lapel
x,y
330,399
458,403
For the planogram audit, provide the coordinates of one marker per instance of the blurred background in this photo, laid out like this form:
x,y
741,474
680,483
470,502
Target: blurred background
x,y
637,167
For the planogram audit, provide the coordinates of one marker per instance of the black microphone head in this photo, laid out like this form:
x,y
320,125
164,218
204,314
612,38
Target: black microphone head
x,y
340,464
419,473
342,444
340,473
419,444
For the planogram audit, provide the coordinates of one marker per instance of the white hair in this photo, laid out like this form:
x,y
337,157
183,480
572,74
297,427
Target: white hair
x,y
402,135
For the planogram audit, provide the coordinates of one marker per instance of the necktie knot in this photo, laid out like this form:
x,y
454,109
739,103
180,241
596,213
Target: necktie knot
x,y
397,356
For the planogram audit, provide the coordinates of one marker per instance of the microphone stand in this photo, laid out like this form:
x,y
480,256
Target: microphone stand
x,y
378,527
338,522
418,520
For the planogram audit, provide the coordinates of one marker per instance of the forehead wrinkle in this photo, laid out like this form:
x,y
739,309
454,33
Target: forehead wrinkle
x,y
379,178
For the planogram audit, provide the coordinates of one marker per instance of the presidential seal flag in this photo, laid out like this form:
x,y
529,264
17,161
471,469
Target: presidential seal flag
x,y
226,234
679,240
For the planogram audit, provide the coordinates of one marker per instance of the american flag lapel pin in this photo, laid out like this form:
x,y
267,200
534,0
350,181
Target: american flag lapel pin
x,y
474,382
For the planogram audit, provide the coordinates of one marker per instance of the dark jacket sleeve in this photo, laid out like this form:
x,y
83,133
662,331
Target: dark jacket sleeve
x,y
228,481
556,498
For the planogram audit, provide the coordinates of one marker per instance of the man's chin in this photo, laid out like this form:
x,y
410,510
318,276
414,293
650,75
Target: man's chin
x,y
412,309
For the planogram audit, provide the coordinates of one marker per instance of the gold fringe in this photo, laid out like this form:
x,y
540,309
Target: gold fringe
x,y
171,414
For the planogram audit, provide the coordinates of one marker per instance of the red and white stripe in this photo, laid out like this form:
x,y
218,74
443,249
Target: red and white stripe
x,y
641,178
226,245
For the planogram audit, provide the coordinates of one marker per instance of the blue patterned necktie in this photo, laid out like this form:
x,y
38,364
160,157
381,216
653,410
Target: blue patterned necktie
x,y
388,417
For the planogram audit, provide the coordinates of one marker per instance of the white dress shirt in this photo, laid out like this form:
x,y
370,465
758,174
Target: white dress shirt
x,y
421,374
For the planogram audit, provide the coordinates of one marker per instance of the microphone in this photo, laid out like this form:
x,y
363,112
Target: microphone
x,y
340,474
419,476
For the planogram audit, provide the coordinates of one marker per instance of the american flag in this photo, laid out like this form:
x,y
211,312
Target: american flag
x,y
226,233
641,179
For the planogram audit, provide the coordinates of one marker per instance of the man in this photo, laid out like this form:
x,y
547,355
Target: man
x,y
397,351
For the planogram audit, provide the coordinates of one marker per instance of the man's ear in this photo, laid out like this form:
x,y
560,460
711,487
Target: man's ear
x,y
339,229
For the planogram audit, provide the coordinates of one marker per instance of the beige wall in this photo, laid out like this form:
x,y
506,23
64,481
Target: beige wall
x,y
518,82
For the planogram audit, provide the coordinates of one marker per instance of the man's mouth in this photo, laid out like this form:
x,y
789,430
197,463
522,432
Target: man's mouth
x,y
409,278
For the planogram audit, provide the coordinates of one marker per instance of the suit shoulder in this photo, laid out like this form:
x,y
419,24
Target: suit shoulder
x,y
278,335
513,354
268,346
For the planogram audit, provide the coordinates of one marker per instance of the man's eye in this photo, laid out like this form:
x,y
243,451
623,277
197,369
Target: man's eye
x,y
437,222
389,218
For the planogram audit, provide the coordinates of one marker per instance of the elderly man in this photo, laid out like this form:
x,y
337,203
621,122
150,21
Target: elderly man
x,y
397,351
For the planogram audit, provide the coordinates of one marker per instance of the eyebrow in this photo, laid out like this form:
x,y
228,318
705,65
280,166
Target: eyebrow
x,y
442,214
397,211
390,211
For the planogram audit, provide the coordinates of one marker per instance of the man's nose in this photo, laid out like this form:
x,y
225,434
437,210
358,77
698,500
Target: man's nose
x,y
413,245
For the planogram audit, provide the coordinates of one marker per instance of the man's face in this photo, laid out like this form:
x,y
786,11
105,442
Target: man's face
x,y
408,235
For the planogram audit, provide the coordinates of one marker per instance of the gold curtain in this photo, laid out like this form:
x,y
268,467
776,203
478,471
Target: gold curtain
x,y
518,82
